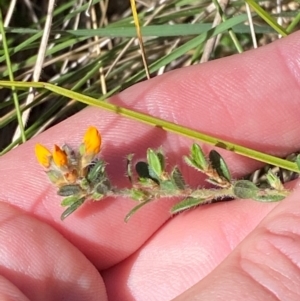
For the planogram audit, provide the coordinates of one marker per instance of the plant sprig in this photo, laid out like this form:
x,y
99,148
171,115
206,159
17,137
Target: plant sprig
x,y
81,176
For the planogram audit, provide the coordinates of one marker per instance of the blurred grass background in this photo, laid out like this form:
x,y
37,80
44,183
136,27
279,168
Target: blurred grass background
x,y
92,48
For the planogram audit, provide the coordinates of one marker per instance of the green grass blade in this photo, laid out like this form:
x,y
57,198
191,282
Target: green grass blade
x,y
11,77
57,48
195,42
267,17
166,125
164,30
23,45
293,24
230,31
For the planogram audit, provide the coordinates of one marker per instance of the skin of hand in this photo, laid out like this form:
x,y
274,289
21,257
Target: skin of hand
x,y
238,250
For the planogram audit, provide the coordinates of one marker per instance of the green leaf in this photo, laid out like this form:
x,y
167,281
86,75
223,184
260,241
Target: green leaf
x,y
96,172
104,187
153,175
161,158
81,149
155,164
267,17
138,195
68,201
187,203
245,189
219,165
68,190
142,169
161,30
72,208
274,181
269,198
168,185
54,176
189,45
135,209
97,196
177,178
191,163
198,156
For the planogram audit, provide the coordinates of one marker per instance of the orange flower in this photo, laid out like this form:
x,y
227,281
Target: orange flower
x,y
92,141
43,155
59,156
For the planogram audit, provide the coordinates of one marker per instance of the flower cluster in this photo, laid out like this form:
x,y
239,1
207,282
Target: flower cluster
x,y
80,176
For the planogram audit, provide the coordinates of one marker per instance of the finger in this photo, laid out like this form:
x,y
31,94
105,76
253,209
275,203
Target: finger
x,y
185,250
40,264
265,266
8,291
215,98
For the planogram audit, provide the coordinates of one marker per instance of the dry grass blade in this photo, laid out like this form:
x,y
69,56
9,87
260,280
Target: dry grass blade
x,y
211,43
9,12
251,25
103,7
38,66
140,38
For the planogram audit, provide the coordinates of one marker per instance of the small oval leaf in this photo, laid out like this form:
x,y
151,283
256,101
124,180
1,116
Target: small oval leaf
x,y
137,195
68,201
96,171
269,198
274,181
68,190
219,165
143,171
72,208
190,162
154,162
187,203
55,176
245,189
198,156
161,158
167,185
177,178
135,209
104,187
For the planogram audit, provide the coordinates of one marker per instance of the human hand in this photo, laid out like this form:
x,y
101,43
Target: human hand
x,y
239,250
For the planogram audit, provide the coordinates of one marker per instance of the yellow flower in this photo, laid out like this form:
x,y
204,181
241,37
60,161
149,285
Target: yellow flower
x,y
60,157
92,141
43,155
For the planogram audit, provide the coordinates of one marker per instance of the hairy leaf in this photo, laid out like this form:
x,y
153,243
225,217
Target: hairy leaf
x,y
72,208
68,190
155,164
177,178
187,203
219,165
245,189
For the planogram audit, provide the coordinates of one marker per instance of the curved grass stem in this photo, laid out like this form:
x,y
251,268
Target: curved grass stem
x,y
157,122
